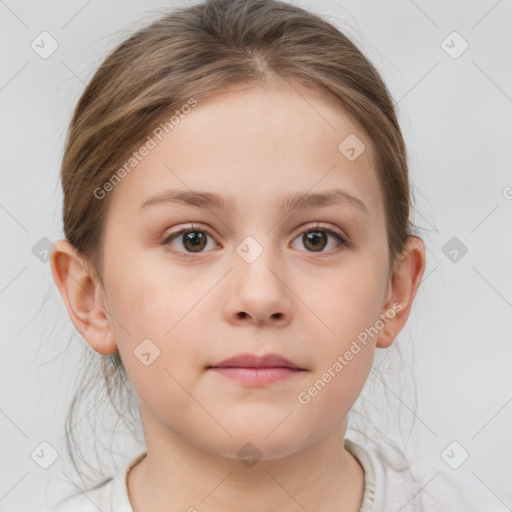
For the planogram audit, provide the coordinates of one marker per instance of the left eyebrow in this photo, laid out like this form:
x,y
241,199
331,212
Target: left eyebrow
x,y
294,201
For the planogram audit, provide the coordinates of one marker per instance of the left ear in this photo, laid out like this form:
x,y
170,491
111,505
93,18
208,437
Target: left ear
x,y
402,287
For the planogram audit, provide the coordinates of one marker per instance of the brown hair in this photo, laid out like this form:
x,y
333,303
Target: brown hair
x,y
198,51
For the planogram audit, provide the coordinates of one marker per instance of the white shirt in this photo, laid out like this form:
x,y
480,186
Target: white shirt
x,y
389,486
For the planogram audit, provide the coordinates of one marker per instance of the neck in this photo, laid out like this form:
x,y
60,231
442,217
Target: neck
x,y
177,475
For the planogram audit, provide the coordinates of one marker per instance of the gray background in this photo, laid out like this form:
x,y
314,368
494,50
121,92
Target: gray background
x,y
456,117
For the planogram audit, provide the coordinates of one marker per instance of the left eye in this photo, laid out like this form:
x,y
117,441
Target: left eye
x,y
317,237
195,239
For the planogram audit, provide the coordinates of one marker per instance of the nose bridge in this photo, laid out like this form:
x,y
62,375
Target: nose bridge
x,y
256,262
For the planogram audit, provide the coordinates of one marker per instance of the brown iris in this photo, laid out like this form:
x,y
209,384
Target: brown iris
x,y
313,237
195,241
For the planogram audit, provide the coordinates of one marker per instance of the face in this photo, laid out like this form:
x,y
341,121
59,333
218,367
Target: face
x,y
252,277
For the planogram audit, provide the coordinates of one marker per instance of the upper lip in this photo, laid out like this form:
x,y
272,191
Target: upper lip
x,y
255,361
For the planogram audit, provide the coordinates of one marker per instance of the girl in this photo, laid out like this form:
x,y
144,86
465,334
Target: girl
x,y
236,214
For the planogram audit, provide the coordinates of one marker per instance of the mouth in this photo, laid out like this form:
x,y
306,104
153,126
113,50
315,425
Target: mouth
x,y
254,370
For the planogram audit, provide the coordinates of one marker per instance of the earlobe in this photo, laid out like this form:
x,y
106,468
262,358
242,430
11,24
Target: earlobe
x,y
83,296
404,283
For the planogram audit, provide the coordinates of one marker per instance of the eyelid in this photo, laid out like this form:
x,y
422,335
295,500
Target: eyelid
x,y
192,227
324,227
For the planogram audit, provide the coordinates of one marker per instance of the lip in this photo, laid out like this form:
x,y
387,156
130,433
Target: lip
x,y
254,370
247,360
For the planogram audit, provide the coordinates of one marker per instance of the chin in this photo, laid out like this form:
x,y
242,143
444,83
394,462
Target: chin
x,y
254,444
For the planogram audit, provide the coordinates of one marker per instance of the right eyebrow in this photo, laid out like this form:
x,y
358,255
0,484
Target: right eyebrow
x,y
205,200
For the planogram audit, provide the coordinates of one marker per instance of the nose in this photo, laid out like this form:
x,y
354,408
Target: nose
x,y
258,293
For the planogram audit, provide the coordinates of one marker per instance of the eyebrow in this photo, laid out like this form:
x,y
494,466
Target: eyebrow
x,y
294,201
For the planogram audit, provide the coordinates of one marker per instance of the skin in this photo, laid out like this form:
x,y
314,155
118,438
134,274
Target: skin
x,y
257,146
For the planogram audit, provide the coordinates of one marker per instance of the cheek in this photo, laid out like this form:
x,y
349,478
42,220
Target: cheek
x,y
148,298
161,356
159,312
346,337
350,304
327,397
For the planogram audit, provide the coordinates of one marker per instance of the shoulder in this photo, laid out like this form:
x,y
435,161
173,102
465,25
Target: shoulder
x,y
98,498
109,495
416,486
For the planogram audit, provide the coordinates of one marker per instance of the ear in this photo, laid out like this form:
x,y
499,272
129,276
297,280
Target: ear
x,y
401,290
84,297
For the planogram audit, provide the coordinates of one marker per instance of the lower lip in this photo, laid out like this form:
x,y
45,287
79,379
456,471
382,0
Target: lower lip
x,y
257,376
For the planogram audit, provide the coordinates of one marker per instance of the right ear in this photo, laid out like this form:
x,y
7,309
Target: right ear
x,y
84,297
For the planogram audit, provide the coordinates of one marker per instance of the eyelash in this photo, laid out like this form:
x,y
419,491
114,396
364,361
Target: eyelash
x,y
317,227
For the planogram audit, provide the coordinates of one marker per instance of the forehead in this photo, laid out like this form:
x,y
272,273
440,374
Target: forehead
x,y
256,145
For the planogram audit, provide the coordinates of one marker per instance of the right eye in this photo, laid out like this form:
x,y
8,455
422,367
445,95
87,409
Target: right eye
x,y
193,239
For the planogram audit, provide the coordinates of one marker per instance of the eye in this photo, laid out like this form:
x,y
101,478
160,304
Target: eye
x,y
317,237
193,239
